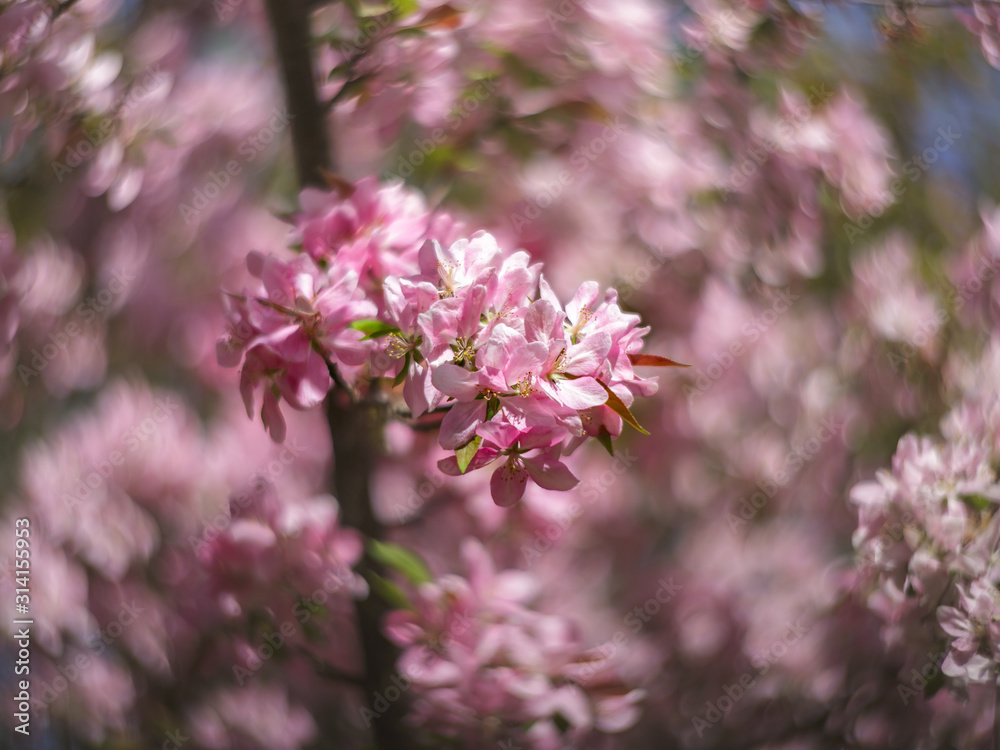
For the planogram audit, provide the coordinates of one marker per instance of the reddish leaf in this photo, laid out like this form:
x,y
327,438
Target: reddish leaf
x,y
341,185
619,408
443,17
653,360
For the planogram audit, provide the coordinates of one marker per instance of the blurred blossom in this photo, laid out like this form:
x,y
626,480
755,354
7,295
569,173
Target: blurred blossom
x,y
252,717
530,199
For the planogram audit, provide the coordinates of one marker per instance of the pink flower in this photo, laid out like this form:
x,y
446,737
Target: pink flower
x,y
405,302
975,630
281,338
462,265
531,454
508,368
489,662
376,231
465,326
567,375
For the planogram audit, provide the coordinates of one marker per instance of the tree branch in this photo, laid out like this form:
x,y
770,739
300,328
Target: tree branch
x,y
355,428
292,37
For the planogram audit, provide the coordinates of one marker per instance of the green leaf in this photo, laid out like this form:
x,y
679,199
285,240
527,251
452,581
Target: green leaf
x,y
373,327
401,377
978,502
619,408
467,452
935,683
492,407
354,88
404,8
561,722
388,591
400,559
604,438
339,70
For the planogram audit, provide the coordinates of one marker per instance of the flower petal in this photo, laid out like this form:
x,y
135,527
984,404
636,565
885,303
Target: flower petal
x,y
456,381
507,484
459,425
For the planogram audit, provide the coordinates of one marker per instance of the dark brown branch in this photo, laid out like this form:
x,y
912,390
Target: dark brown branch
x,y
355,427
290,25
355,430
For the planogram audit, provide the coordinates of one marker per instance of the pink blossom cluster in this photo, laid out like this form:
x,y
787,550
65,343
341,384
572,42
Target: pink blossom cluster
x,y
927,544
54,68
271,541
305,318
486,665
725,195
434,63
467,328
40,81
154,541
